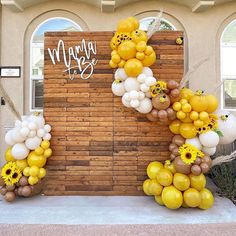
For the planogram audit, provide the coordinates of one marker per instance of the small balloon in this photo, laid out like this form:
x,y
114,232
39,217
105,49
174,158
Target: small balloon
x,y
198,161
172,146
172,84
181,167
205,168
26,191
196,170
154,113
175,151
207,160
23,181
151,118
162,114
3,191
178,140
10,188
175,93
10,196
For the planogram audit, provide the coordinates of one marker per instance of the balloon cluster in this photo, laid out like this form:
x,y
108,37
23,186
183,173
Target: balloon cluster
x,y
192,117
29,148
175,190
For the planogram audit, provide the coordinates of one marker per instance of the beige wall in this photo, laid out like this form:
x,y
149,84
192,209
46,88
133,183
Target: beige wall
x,y
202,30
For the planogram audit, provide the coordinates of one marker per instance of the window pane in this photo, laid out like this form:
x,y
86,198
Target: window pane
x,y
230,93
37,95
145,22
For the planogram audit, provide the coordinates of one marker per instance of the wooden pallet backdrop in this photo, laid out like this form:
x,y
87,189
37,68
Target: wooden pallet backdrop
x,y
99,146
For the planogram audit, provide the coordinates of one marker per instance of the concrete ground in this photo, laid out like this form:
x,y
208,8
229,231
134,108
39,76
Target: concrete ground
x,y
99,215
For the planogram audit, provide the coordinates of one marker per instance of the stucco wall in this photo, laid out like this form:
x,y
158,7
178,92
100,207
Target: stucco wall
x,y
202,30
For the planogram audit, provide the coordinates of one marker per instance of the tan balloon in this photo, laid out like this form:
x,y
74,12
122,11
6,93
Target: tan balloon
x,y
172,84
26,191
198,161
205,168
10,196
207,159
151,118
175,151
154,113
178,140
196,170
161,101
181,167
175,93
172,146
162,115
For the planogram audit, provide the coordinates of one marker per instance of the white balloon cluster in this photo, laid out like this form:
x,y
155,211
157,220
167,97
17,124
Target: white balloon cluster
x,y
27,135
134,91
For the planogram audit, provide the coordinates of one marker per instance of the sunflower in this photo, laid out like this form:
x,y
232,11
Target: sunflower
x,y
210,124
11,173
158,88
189,153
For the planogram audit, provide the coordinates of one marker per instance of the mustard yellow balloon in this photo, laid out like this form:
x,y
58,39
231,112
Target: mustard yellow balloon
x,y
207,199
146,186
8,155
158,199
181,181
39,150
122,63
141,46
26,171
134,21
187,130
32,180
22,164
127,50
36,160
139,35
133,67
34,171
175,126
212,103
172,197
125,25
155,188
153,168
112,64
170,167
192,197
48,152
116,58
45,144
42,173
197,181
186,93
149,60
164,177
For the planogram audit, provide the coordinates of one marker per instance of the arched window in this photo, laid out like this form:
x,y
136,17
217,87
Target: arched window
x,y
37,56
228,65
165,24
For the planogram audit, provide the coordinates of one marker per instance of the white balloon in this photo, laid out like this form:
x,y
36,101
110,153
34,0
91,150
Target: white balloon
x,y
118,88
133,94
33,143
148,94
47,136
47,128
8,138
209,151
40,121
18,123
145,106
195,142
141,95
24,131
227,127
32,134
126,97
209,139
141,78
41,133
23,118
25,123
16,136
19,151
125,102
144,88
150,81
147,71
134,103
32,125
131,83
120,74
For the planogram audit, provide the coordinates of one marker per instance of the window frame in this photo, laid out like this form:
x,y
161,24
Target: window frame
x,y
41,78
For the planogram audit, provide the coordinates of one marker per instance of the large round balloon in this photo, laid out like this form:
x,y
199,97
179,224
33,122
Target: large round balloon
x,y
131,84
19,151
145,106
33,143
118,88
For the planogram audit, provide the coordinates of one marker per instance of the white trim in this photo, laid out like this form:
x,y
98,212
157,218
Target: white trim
x,y
31,77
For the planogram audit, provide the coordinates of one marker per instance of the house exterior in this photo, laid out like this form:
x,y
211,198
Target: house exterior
x,y
209,28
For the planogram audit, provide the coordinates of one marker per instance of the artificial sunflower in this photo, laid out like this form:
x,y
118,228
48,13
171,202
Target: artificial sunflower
x,y
11,173
158,88
210,124
189,153
120,37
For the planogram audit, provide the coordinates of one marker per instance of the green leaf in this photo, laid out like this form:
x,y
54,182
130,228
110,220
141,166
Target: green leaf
x,y
219,132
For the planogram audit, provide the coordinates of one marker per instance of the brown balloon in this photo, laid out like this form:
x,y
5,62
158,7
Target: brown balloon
x,y
172,156
19,191
174,99
16,191
151,118
23,181
196,170
205,168
175,93
207,159
175,151
172,146
198,161
172,84
154,113
161,101
170,112
3,191
10,196
178,140
26,191
162,115
10,187
181,167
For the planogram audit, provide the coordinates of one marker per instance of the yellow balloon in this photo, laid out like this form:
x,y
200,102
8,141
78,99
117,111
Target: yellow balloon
x,y
125,25
170,167
153,168
212,103
197,181
199,103
184,205
113,43
36,160
127,50
21,164
45,144
164,177
112,64
140,55
186,93
187,130
186,107
158,199
8,155
198,123
33,180
177,106
203,115
116,58
133,67
141,46
174,126
42,173
192,197
172,197
139,35
149,60
146,186
122,63
48,152
194,115
187,119
39,150
181,181
34,171
134,21
207,199
154,188
26,171
180,115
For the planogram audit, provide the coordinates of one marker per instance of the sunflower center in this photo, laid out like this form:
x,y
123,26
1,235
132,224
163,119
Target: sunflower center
x,y
8,172
15,175
188,155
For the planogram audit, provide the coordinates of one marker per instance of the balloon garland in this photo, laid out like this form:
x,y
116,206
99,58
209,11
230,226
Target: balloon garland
x,y
192,117
26,156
